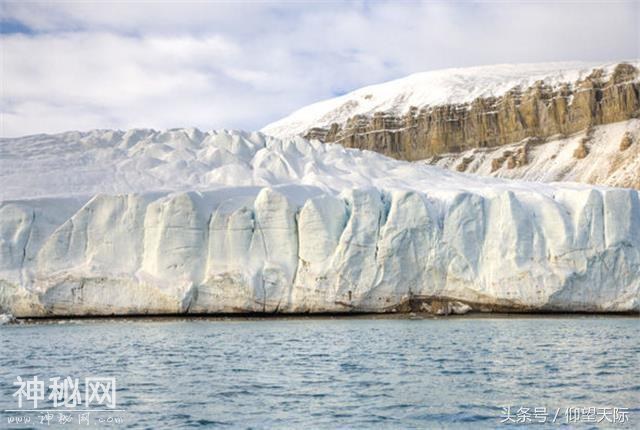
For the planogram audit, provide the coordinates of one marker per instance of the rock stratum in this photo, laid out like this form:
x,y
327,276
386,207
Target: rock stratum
x,y
607,154
474,110
186,222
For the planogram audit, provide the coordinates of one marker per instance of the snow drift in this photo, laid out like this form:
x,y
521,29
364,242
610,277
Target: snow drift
x,y
182,221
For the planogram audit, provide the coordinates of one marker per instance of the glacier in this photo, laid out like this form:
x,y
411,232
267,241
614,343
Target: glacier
x,y
189,222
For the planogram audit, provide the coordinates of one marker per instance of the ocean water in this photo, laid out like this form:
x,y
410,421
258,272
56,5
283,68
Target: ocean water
x,y
335,372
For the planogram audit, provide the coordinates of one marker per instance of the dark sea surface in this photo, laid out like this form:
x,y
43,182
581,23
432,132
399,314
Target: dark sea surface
x,y
335,372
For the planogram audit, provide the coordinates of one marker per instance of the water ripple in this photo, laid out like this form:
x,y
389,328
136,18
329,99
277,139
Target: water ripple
x,y
328,373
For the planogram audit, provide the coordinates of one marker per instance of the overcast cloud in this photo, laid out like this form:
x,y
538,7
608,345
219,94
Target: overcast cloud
x,y
83,65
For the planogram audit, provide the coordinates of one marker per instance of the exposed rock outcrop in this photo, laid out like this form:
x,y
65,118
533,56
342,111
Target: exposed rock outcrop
x,y
626,141
606,155
540,111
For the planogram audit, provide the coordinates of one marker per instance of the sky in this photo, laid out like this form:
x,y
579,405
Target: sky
x,y
241,65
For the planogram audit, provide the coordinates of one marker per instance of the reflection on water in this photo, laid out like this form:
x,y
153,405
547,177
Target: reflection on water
x,y
335,372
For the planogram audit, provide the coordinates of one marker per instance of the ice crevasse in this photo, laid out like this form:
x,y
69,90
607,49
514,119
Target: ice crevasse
x,y
183,221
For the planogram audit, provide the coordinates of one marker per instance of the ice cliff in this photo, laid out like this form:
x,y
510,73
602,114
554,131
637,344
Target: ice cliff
x,y
182,221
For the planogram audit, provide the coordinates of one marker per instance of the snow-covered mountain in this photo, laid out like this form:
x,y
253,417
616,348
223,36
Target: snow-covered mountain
x,y
433,88
453,114
182,221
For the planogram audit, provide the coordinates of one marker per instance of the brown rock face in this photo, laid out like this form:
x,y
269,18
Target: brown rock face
x,y
583,149
538,111
464,164
626,142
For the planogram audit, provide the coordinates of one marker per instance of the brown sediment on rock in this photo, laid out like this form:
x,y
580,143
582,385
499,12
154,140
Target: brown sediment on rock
x,y
464,164
583,146
539,111
497,163
443,305
581,151
521,157
626,142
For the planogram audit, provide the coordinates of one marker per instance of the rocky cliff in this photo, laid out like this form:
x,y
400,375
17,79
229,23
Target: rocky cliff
x,y
539,111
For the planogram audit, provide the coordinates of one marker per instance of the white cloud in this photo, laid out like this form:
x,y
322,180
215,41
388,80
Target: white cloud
x,y
212,65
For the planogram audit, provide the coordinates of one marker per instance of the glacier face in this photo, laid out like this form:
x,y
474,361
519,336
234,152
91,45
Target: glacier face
x,y
183,221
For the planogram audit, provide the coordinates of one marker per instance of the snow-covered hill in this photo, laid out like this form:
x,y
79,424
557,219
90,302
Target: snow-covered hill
x,y
439,87
111,222
611,156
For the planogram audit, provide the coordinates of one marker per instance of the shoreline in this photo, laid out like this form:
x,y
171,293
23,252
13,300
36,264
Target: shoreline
x,y
320,316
